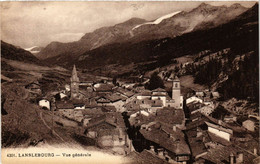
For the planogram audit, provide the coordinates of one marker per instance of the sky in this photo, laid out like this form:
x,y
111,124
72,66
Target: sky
x,y
28,24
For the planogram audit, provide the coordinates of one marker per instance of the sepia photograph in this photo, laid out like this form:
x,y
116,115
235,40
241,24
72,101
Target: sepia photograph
x,y
130,82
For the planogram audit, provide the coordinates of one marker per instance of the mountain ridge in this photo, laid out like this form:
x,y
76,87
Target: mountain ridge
x,y
176,25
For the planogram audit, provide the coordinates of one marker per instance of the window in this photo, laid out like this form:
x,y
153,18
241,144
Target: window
x,y
176,85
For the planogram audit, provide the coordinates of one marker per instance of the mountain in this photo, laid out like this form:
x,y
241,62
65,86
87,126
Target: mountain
x,y
89,41
135,30
12,52
236,34
205,16
15,58
157,21
34,49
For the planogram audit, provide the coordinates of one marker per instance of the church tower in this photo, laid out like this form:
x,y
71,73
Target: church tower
x,y
74,84
176,92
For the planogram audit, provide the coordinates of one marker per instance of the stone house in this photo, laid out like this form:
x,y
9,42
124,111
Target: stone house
x,y
167,143
72,114
146,94
109,132
159,94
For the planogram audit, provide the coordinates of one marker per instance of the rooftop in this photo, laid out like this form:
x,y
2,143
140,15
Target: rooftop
x,y
115,119
170,115
103,87
158,135
145,157
125,92
221,154
159,90
218,139
219,127
195,106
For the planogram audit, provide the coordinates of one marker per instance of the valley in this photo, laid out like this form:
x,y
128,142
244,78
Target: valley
x,y
183,88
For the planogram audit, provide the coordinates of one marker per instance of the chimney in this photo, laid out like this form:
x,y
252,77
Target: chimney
x,y
255,151
199,133
177,142
240,158
160,152
231,158
152,148
174,128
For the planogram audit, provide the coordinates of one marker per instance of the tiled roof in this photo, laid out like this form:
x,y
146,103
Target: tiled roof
x,y
132,106
195,124
170,115
94,111
195,106
196,143
125,92
77,101
218,139
104,88
145,93
137,104
117,118
102,99
144,157
108,108
197,147
221,154
114,119
219,128
141,119
64,105
114,97
157,135
159,90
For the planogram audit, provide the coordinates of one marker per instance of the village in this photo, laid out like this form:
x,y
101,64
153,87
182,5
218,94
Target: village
x,y
153,125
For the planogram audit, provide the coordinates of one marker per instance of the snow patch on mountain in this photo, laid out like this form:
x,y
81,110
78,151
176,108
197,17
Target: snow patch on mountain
x,y
29,49
157,21
34,49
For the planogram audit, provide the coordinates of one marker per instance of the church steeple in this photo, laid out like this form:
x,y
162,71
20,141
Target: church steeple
x,y
74,84
74,76
176,92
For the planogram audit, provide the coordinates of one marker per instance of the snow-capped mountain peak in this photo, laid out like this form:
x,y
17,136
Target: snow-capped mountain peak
x,y
159,20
